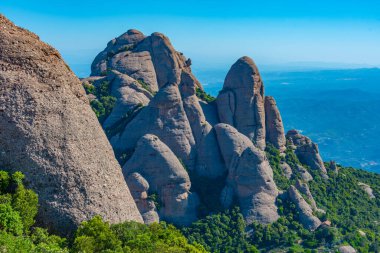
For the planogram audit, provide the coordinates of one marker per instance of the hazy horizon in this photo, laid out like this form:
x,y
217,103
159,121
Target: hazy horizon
x,y
214,33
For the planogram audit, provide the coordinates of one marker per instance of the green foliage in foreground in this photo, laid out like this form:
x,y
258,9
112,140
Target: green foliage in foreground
x,y
18,208
98,236
224,232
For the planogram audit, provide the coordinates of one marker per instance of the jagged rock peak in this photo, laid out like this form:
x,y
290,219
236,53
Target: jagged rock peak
x,y
306,151
44,119
166,176
241,101
143,57
275,133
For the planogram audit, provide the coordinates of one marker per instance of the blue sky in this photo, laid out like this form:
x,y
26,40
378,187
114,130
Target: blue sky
x,y
213,33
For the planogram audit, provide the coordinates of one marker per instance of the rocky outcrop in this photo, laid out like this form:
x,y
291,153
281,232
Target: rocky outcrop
x,y
306,151
128,92
241,101
139,189
286,169
166,118
333,167
49,132
209,162
346,249
307,219
275,133
303,188
304,174
367,189
166,177
250,177
151,59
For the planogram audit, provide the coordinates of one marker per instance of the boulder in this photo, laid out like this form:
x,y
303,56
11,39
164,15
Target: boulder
x,y
241,101
346,249
250,177
166,177
306,151
49,132
307,219
367,189
275,133
305,175
139,189
286,169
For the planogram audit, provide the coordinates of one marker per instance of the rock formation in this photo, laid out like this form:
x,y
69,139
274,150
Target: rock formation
x,y
166,118
49,132
139,189
216,140
241,101
307,219
304,174
367,189
166,176
250,177
275,133
303,188
333,167
286,169
346,249
306,151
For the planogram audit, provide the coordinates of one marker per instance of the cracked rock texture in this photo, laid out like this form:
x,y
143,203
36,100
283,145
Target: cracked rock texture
x,y
49,132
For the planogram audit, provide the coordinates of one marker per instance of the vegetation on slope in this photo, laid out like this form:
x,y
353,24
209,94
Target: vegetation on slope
x,y
353,214
18,208
104,102
201,94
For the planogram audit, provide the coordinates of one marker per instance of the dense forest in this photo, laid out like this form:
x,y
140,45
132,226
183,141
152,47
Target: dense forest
x,y
352,220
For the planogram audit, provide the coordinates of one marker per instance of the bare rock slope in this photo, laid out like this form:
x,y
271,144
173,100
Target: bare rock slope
x,y
49,132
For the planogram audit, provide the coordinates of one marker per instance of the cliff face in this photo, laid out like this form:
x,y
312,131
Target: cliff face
x,y
213,140
163,131
49,132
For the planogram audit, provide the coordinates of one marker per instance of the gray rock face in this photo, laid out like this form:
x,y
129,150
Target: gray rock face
x,y
346,249
123,43
275,133
241,101
307,219
166,177
49,132
139,189
286,169
303,188
165,117
209,162
250,177
305,175
306,151
367,189
128,92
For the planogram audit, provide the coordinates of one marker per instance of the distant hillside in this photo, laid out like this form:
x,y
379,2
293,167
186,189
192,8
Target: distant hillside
x,y
341,110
